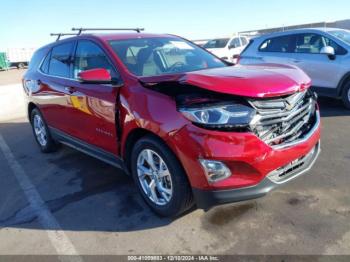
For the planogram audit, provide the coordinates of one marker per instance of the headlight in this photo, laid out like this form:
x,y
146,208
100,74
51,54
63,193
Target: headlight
x,y
220,115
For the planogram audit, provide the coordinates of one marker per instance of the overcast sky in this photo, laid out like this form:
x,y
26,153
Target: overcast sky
x,y
28,23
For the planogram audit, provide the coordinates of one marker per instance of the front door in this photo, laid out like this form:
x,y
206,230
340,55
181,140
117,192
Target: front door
x,y
93,106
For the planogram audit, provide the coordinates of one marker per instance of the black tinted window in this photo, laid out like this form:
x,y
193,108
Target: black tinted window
x,y
60,61
90,56
281,44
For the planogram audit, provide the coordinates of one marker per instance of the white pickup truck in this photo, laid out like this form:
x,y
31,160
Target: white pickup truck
x,y
227,48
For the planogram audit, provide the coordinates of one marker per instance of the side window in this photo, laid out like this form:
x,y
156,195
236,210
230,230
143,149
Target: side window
x,y
235,42
244,41
89,56
309,43
337,48
45,65
60,62
281,44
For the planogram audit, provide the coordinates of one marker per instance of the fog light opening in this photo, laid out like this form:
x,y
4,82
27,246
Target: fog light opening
x,y
215,170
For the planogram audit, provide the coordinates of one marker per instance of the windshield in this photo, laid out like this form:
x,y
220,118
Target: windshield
x,y
217,43
159,56
341,34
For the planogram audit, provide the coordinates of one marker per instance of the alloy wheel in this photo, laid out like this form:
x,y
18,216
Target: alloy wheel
x,y
40,130
154,177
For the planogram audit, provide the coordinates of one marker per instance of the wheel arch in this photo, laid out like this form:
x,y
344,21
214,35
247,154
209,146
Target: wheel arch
x,y
345,79
133,136
136,134
30,108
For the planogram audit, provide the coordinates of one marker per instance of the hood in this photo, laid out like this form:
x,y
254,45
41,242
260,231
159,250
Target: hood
x,y
264,80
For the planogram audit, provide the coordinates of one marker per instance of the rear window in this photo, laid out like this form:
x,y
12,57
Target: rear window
x,y
36,59
45,65
60,62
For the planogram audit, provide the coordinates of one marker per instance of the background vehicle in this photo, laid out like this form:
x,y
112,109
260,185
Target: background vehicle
x,y
323,53
188,127
4,64
227,48
19,57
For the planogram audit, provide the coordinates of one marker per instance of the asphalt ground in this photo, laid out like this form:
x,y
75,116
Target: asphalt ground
x,y
69,203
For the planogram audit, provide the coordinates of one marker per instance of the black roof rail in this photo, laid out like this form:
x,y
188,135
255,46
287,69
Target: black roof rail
x,y
61,34
81,29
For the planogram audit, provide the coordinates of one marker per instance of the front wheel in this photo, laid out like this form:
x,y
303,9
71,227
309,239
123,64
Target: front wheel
x,y
346,96
160,177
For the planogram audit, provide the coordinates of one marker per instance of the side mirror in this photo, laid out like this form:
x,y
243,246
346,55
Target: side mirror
x,y
96,75
328,50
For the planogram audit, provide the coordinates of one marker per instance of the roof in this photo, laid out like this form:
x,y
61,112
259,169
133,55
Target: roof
x,y
123,36
108,37
299,30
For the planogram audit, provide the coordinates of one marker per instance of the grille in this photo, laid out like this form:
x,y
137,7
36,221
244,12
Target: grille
x,y
284,120
295,168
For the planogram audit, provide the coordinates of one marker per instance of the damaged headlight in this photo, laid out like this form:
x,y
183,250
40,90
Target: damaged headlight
x,y
220,115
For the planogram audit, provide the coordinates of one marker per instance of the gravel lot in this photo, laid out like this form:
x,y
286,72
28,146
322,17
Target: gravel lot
x,y
98,210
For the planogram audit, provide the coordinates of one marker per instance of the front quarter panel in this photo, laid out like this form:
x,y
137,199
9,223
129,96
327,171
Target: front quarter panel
x,y
149,110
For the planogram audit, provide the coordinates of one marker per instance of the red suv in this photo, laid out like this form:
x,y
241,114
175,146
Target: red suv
x,y
189,128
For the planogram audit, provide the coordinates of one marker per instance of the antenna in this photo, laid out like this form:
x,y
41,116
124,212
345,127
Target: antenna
x,y
81,29
61,34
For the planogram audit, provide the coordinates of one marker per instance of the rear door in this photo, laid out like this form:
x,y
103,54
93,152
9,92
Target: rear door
x,y
92,107
55,78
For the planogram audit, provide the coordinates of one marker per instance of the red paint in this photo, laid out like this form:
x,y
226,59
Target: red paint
x,y
88,112
250,81
98,74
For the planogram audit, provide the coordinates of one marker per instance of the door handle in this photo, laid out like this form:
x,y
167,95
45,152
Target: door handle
x,y
69,89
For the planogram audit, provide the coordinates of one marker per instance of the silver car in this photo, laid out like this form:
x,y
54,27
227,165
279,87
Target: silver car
x,y
323,53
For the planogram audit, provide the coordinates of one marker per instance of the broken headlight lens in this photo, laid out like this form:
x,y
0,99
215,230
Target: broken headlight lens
x,y
220,115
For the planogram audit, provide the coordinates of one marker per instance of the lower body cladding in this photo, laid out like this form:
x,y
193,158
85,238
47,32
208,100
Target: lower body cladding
x,y
255,167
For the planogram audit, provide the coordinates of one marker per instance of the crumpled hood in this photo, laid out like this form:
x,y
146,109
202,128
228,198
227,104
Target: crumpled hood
x,y
264,80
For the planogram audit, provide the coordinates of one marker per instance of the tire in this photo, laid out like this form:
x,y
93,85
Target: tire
x,y
41,132
172,190
346,95
20,66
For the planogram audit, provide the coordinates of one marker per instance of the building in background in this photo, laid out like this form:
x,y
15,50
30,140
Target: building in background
x,y
345,24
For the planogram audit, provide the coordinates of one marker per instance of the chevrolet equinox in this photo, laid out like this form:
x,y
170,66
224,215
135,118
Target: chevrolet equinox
x,y
189,128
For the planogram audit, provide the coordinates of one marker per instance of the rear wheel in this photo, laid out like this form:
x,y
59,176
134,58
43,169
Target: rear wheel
x,y
160,177
41,132
346,95
20,66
